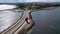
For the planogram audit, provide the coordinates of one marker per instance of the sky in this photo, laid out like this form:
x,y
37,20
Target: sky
x,y
16,1
9,1
39,0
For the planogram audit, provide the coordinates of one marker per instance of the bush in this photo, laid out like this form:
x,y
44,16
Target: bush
x,y
21,6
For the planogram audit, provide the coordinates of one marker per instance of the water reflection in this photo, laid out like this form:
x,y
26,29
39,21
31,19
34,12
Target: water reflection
x,y
7,18
46,21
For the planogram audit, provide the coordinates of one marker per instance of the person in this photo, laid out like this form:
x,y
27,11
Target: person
x,y
27,20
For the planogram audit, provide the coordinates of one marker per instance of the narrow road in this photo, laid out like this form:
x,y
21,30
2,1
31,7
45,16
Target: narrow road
x,y
14,27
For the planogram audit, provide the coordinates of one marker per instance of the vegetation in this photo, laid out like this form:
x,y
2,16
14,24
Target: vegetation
x,y
29,7
39,7
57,5
21,6
34,7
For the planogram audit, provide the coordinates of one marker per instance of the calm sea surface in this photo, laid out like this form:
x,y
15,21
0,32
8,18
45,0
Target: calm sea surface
x,y
46,21
7,18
